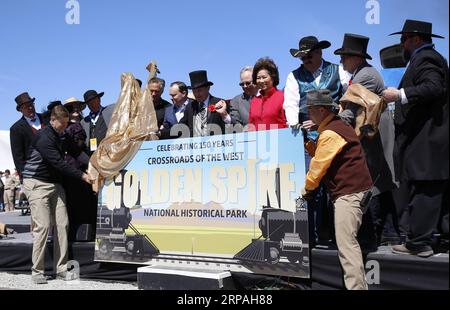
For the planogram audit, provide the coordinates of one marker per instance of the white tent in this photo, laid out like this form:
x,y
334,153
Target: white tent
x,y
6,160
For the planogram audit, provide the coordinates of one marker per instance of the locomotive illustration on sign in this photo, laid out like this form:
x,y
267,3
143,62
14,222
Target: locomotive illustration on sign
x,y
284,234
111,233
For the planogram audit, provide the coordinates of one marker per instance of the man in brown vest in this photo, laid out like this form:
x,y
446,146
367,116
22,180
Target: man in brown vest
x,y
338,160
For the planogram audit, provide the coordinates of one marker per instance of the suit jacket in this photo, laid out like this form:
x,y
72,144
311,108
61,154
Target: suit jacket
x,y
240,109
21,136
421,125
101,126
161,111
194,108
170,120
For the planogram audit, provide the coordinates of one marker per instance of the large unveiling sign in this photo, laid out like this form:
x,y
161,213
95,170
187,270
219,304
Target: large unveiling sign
x,y
228,202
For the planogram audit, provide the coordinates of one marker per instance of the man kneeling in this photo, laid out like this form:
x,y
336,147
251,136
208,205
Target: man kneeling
x,y
339,160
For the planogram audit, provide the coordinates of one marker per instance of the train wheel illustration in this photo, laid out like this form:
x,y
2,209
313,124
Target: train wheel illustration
x,y
294,257
130,247
274,256
105,249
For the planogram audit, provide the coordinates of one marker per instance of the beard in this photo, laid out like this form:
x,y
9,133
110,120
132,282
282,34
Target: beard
x,y
407,55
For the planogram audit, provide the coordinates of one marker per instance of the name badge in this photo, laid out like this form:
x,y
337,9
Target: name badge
x,y
93,144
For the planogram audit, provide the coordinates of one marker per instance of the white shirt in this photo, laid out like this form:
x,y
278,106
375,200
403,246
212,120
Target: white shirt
x,y
179,111
292,98
34,122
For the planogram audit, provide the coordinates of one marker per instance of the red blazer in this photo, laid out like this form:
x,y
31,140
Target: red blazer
x,y
266,112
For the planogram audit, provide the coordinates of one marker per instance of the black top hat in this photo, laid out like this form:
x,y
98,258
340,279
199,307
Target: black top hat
x,y
355,45
319,97
53,104
308,44
91,94
199,79
22,99
419,27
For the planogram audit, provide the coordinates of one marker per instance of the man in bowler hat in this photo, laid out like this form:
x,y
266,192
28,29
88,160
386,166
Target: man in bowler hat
x,y
22,132
338,160
95,124
421,134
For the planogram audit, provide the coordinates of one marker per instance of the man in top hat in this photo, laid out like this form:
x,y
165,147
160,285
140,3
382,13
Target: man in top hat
x,y
22,132
206,115
421,134
378,149
96,123
338,160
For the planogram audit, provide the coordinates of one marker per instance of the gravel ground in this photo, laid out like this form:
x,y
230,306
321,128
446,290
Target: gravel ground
x,y
23,282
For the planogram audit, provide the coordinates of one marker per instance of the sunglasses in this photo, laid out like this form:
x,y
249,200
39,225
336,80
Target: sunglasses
x,y
406,37
242,84
306,57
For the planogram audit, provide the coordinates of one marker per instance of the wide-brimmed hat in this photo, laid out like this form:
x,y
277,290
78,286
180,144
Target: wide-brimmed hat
x,y
199,79
91,94
72,100
22,99
308,44
355,45
418,27
319,97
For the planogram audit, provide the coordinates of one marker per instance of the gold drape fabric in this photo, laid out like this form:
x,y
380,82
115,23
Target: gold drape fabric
x,y
368,116
133,121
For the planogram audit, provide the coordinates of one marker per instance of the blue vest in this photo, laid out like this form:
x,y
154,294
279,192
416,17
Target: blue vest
x,y
329,80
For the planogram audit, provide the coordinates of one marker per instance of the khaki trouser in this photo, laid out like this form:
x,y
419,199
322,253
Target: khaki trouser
x,y
347,220
48,207
9,200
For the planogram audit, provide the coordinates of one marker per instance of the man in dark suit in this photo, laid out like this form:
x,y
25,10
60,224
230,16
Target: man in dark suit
x,y
156,87
96,123
421,134
22,132
174,113
206,115
240,105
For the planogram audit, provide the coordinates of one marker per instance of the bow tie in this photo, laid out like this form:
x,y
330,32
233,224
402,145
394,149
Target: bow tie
x,y
33,120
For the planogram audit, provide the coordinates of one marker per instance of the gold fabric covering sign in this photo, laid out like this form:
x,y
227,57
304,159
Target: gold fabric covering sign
x,y
133,121
368,116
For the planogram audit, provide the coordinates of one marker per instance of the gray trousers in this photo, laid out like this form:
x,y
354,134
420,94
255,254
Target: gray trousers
x,y
48,208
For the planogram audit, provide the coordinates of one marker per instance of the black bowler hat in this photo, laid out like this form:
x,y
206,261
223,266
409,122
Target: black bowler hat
x,y
319,97
91,94
418,27
354,45
199,79
22,99
308,44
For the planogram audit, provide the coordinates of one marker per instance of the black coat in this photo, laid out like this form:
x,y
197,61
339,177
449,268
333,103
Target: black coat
x,y
421,125
21,135
193,108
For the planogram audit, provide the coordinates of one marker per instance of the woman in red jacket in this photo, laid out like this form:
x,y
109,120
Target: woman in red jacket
x,y
266,109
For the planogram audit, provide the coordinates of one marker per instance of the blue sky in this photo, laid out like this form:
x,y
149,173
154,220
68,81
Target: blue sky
x,y
50,59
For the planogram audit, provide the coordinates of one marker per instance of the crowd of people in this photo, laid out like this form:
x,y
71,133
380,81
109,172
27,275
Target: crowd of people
x,y
398,174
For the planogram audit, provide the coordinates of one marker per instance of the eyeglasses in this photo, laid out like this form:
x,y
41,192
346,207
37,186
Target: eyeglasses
x,y
242,84
406,37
